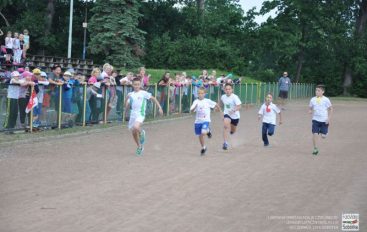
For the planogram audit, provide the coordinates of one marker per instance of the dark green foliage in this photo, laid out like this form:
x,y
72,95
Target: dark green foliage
x,y
114,32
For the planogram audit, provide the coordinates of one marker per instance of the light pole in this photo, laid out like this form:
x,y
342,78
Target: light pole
x,y
85,25
70,27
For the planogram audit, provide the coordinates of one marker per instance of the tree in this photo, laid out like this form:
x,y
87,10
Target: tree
x,y
115,33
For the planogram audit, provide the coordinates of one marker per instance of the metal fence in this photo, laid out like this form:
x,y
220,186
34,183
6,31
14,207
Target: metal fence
x,y
85,108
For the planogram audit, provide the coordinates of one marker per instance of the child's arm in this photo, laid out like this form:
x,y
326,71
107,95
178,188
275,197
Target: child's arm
x,y
157,103
330,111
193,107
127,104
217,106
280,118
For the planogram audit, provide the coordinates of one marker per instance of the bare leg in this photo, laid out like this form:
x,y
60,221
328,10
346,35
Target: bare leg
x,y
227,126
201,139
314,140
136,133
233,129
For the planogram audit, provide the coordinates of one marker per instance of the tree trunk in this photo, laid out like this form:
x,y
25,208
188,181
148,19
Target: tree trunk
x,y
301,51
200,6
299,65
50,12
360,28
348,80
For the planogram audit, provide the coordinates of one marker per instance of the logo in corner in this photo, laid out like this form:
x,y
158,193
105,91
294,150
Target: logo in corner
x,y
350,222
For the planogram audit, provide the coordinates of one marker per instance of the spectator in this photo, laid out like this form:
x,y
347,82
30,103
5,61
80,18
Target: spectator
x,y
16,49
24,95
41,82
96,72
12,101
284,86
26,43
9,47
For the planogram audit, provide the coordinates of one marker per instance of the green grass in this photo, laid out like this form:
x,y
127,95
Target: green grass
x,y
156,74
344,98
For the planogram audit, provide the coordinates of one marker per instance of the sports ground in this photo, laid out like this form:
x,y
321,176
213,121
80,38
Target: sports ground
x,y
93,182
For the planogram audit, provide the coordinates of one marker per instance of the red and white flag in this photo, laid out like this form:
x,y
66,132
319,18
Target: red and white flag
x,y
33,102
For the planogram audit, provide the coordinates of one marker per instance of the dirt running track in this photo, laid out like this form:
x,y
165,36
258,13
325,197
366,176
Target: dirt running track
x,y
94,182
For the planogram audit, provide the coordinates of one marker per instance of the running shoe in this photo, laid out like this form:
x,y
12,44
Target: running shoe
x,y
315,151
225,146
139,151
209,135
203,150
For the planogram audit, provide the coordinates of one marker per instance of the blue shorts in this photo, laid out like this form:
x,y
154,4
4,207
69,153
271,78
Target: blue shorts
x,y
319,127
201,126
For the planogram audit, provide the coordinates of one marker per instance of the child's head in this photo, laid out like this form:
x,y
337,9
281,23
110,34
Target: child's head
x,y
269,98
228,89
57,70
96,72
67,75
15,75
25,31
21,37
37,73
16,34
108,68
114,73
142,71
201,93
320,89
8,34
136,84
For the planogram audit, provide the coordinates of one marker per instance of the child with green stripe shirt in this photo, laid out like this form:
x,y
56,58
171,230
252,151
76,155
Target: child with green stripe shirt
x,y
137,101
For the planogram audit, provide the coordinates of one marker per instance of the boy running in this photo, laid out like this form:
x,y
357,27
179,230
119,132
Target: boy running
x,y
268,112
232,105
137,101
321,110
202,107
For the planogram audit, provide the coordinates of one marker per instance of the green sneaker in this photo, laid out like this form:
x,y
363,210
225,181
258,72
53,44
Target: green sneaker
x,y
315,151
139,151
142,137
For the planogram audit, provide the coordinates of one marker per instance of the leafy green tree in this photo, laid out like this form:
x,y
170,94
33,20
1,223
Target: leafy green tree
x,y
114,32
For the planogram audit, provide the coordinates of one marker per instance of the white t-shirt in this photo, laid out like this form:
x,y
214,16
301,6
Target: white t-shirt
x,y
230,103
13,89
9,42
269,113
320,108
138,102
203,109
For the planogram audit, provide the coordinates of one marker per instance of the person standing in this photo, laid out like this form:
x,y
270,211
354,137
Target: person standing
x,y
284,84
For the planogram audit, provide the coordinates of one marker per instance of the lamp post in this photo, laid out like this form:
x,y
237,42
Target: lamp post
x,y
85,25
70,27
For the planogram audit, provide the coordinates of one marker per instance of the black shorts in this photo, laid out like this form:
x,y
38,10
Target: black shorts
x,y
234,122
283,94
9,51
320,127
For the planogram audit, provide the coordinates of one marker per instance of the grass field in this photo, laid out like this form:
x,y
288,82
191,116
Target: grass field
x,y
156,74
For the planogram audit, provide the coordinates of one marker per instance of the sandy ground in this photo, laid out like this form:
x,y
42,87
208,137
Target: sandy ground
x,y
95,183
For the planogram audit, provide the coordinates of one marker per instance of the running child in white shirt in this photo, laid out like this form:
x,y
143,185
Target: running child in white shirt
x,y
137,101
202,107
231,111
268,112
321,110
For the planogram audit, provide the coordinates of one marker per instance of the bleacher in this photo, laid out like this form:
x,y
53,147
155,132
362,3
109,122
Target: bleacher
x,y
47,62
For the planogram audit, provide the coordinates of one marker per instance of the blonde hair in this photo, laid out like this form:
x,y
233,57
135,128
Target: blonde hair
x,y
94,71
107,66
